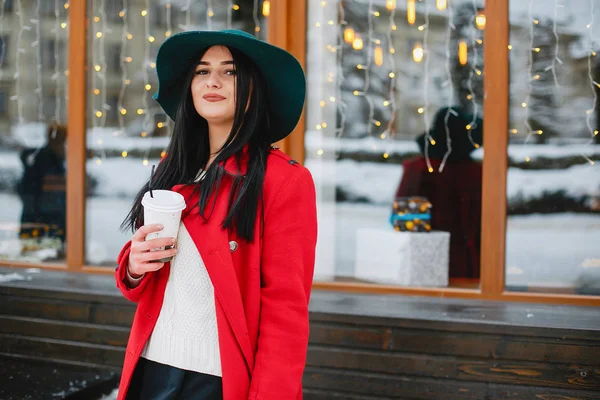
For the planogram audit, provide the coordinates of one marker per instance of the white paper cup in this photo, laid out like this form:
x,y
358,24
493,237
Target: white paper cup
x,y
164,208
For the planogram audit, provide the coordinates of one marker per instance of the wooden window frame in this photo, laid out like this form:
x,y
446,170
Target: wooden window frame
x,y
287,29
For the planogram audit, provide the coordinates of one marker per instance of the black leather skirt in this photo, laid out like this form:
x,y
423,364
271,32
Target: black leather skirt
x,y
155,381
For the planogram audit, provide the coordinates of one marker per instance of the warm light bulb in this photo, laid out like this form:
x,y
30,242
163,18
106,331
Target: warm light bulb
x,y
266,8
349,35
320,152
160,125
153,65
96,19
123,111
145,162
376,13
357,44
377,123
378,56
390,4
324,125
332,99
392,50
127,81
523,105
140,111
385,155
391,75
122,14
441,4
318,127
144,13
236,7
211,13
63,25
163,154
98,161
537,49
386,103
463,52
99,114
510,46
322,103
430,169
124,154
411,11
129,36
421,110
97,68
128,59
148,87
514,131
168,34
151,39
480,20
66,6
144,134
527,159
418,52
355,93
468,127
96,92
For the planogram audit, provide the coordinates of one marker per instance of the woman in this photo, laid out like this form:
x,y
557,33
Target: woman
x,y
455,192
227,317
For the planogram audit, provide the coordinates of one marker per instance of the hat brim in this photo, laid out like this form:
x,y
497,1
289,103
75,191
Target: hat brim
x,y
285,79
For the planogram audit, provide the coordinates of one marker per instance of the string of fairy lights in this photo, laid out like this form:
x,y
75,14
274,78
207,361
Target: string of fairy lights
x,y
593,84
131,58
39,90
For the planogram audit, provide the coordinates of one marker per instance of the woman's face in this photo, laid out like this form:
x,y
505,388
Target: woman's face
x,y
213,86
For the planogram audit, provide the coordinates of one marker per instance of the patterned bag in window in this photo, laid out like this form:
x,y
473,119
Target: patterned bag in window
x,y
411,214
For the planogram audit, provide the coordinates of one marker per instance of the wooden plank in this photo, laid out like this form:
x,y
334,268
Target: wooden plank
x,y
361,337
553,349
64,350
408,386
315,394
64,330
76,180
516,348
572,377
396,290
66,311
495,139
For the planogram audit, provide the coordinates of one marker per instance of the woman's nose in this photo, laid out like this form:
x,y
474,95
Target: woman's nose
x,y
213,81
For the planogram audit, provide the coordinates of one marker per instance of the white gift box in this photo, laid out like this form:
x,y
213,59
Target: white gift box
x,y
402,258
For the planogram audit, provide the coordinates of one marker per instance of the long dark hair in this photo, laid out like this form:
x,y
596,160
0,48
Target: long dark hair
x,y
189,150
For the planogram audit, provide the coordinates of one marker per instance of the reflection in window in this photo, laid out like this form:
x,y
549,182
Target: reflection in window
x,y
553,193
33,86
394,133
127,130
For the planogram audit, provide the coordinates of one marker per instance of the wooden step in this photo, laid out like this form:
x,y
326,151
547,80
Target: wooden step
x,y
59,309
64,330
406,386
67,351
22,378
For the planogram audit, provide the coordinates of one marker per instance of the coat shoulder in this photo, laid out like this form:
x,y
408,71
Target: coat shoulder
x,y
281,168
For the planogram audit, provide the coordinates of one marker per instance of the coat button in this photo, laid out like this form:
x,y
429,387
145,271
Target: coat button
x,y
233,245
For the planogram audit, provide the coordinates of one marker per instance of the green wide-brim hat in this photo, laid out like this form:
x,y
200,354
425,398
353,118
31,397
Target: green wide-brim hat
x,y
285,80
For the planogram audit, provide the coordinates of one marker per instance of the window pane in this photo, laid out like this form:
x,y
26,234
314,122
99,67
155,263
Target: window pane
x,y
127,130
394,135
553,221
33,132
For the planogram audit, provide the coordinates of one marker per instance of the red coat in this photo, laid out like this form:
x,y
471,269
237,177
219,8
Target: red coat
x,y
261,289
455,194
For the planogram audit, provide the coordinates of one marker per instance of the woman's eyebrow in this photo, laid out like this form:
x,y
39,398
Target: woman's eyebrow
x,y
230,62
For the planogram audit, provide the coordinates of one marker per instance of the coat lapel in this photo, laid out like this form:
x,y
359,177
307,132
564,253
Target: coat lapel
x,y
213,245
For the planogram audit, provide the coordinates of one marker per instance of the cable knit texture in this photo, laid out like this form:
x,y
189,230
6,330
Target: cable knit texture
x,y
185,335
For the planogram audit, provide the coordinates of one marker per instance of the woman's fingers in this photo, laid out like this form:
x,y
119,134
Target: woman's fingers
x,y
140,234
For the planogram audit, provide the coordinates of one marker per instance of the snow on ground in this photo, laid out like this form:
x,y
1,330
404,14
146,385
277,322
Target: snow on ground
x,y
111,396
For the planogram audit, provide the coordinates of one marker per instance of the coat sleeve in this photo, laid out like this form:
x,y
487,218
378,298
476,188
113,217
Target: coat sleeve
x,y
121,276
287,267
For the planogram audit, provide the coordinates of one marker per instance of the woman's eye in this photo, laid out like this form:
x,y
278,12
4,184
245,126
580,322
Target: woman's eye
x,y
201,72
230,72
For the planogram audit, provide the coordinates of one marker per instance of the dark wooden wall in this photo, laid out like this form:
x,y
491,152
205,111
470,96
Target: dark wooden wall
x,y
361,347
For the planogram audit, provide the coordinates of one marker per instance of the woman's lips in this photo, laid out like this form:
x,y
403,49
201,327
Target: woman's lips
x,y
213,97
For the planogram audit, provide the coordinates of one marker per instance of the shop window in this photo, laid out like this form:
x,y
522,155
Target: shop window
x,y
553,190
127,130
394,140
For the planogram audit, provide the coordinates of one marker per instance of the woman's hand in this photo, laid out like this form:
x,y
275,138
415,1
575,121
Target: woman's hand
x,y
141,258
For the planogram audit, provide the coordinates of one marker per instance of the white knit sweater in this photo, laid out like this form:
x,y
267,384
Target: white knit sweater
x,y
185,335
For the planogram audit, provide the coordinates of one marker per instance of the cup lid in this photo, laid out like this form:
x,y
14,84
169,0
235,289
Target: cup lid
x,y
164,200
